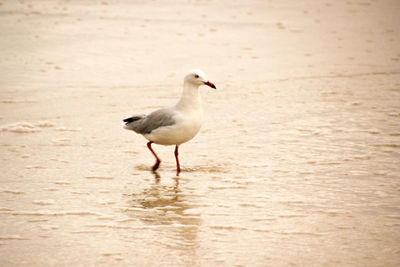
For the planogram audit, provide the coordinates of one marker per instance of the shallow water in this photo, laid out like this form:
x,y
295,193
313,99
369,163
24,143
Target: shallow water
x,y
297,162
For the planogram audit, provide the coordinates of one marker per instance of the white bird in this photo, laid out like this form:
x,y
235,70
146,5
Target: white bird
x,y
174,125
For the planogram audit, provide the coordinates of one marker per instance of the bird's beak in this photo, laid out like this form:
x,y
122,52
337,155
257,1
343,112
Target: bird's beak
x,y
210,84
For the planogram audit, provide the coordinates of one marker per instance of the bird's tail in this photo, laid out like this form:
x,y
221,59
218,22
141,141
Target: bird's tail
x,y
130,122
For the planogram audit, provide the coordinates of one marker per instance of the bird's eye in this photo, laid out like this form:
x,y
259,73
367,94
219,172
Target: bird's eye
x,y
196,76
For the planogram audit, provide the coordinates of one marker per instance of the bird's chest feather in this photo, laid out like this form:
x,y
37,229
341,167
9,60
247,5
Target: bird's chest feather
x,y
191,123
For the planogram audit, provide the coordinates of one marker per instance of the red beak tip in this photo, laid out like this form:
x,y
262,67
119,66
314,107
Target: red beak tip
x,y
210,84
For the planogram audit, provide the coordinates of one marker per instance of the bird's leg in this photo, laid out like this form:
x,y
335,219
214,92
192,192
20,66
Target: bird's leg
x,y
178,167
158,161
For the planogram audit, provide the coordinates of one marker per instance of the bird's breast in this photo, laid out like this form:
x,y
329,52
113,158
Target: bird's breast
x,y
190,125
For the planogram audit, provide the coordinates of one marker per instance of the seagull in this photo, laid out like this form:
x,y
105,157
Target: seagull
x,y
173,125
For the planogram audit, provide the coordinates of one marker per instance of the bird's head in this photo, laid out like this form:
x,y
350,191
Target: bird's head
x,y
197,77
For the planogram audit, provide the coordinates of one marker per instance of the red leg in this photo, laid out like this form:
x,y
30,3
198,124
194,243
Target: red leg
x,y
158,161
178,167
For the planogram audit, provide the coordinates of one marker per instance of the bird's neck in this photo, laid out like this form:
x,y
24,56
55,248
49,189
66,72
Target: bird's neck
x,y
190,98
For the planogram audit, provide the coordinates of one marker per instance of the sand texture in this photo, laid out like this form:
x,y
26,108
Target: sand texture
x,y
296,164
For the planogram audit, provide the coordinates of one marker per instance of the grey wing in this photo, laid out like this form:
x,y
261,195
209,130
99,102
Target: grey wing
x,y
156,119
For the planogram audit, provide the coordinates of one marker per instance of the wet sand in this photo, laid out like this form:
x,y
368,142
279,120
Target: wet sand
x,y
297,163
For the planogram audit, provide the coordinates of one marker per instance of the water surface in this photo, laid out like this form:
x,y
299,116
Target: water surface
x,y
297,163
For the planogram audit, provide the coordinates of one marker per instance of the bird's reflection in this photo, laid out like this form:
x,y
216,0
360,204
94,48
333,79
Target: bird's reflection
x,y
164,204
157,176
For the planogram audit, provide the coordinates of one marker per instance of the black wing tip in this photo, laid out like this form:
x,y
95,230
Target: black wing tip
x,y
132,119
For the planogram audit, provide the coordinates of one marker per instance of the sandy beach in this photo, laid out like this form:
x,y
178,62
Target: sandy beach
x,y
296,164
